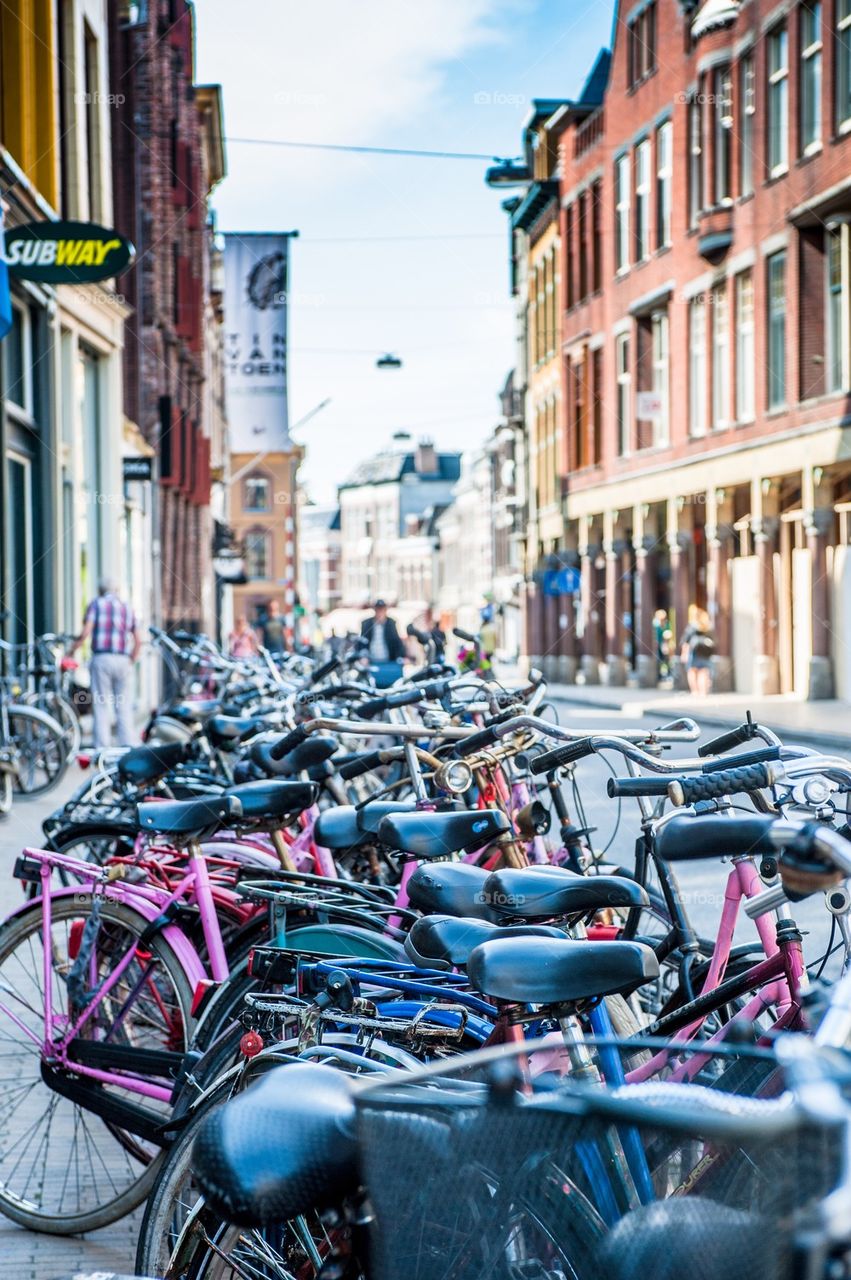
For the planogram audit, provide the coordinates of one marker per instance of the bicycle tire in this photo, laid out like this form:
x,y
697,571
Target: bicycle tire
x,y
35,736
21,944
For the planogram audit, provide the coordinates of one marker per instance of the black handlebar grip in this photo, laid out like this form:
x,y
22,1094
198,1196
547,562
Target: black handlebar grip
x,y
637,787
713,786
288,743
463,635
762,755
726,741
567,754
326,669
476,742
360,764
423,636
374,706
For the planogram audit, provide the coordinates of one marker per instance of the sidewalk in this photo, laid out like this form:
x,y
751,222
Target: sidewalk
x,y
825,723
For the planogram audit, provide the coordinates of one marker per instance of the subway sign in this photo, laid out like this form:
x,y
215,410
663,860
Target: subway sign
x,y
66,252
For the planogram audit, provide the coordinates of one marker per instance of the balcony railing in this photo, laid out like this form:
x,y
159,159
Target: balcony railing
x,y
589,133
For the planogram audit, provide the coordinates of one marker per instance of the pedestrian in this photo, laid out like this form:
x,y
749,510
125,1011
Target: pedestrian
x,y
385,647
662,632
696,649
110,624
274,635
242,641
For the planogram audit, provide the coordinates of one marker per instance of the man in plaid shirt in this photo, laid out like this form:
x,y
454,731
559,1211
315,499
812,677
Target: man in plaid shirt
x,y
111,626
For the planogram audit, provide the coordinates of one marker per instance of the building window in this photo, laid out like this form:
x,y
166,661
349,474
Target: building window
x,y
91,69
659,323
17,348
747,91
624,392
776,346
622,208
664,161
697,367
695,160
597,236
597,405
837,318
582,245
641,45
842,46
810,88
256,494
569,257
778,100
642,201
744,347
720,358
723,140
257,554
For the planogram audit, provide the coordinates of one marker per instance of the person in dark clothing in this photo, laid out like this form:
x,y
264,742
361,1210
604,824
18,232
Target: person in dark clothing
x,y
273,629
382,636
697,647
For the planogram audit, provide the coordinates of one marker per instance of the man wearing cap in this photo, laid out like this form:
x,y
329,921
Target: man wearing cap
x,y
111,626
382,638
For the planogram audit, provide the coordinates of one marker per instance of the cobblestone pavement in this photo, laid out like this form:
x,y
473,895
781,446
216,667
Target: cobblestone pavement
x,y
26,1255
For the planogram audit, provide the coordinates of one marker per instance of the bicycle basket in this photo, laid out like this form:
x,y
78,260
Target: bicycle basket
x,y
470,1178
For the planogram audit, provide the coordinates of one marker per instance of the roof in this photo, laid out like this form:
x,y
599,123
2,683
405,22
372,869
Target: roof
x,y
594,88
388,467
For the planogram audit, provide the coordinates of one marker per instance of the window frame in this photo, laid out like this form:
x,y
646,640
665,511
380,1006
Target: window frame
x,y
660,352
697,368
747,93
745,404
643,190
696,184
250,479
842,66
777,101
623,212
775,380
623,394
810,63
723,132
247,553
664,183
720,405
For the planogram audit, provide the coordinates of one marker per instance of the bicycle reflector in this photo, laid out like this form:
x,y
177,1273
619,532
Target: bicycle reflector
x,y
202,986
251,1044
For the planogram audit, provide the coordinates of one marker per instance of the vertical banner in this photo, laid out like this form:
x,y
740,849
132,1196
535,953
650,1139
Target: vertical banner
x,y
256,286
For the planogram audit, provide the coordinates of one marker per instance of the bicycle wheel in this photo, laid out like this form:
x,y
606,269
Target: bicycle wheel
x,y
209,1249
71,1163
38,744
63,712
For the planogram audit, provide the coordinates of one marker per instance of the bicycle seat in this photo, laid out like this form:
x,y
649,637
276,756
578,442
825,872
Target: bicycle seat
x,y
437,835
668,1240
227,731
260,800
445,942
714,835
544,971
450,888
345,827
314,751
543,893
141,765
192,712
188,817
284,1147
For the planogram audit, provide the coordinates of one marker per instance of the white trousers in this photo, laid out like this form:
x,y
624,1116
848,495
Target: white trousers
x,y
112,695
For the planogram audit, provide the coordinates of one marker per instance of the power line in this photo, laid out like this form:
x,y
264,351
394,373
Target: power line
x,y
375,151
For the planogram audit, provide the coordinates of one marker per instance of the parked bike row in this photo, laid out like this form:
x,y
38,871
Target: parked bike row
x,y
335,982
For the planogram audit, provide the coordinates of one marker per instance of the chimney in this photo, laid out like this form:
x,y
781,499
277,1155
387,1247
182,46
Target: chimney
x,y
425,461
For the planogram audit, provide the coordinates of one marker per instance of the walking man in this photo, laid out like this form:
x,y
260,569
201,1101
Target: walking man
x,y
111,626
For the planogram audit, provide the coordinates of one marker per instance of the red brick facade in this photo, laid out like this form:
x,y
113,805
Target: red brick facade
x,y
706,340
165,166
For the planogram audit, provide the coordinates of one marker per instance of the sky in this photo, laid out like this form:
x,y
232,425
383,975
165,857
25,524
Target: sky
x,y
399,254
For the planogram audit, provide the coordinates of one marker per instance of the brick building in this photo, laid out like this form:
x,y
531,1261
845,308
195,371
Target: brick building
x,y
705,248
168,155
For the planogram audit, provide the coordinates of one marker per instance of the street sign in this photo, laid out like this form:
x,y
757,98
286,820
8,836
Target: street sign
x,y
138,468
648,406
561,582
66,252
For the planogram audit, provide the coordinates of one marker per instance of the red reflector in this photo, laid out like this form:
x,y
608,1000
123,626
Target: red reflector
x,y
75,937
604,932
251,1044
202,987
251,963
83,760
